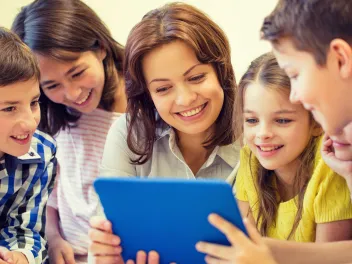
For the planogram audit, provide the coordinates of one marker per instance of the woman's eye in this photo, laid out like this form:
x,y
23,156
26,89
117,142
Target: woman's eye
x,y
197,78
162,89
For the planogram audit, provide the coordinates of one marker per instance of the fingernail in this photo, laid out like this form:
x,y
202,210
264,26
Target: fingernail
x,y
107,225
116,241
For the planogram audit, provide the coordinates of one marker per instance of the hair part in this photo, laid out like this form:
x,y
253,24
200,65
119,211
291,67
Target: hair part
x,y
266,71
310,24
175,21
17,63
54,27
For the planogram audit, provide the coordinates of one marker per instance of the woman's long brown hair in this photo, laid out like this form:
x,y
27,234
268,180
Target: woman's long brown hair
x,y
175,21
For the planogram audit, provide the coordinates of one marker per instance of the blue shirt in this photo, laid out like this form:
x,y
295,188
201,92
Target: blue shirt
x,y
25,184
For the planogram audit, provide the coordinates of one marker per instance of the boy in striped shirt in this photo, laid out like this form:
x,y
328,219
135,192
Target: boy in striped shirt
x,y
27,156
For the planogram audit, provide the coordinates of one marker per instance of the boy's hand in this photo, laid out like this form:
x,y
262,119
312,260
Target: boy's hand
x,y
12,257
344,168
61,252
104,245
242,250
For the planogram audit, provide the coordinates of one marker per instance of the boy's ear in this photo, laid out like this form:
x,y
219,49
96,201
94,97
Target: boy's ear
x,y
342,52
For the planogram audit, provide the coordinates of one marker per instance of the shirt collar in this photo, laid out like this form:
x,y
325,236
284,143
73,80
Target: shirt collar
x,y
31,157
229,153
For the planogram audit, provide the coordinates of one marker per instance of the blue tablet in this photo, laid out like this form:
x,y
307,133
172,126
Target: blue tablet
x,y
167,215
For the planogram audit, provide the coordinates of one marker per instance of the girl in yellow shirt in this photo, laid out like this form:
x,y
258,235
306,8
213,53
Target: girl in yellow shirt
x,y
283,184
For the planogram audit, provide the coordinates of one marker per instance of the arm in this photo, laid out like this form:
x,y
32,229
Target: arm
x,y
286,252
117,156
334,231
104,246
25,232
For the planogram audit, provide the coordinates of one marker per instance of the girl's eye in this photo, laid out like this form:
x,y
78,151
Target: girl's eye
x,y
197,78
77,74
251,120
52,86
283,121
162,89
9,109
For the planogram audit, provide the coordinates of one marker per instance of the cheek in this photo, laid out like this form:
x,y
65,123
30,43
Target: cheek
x,y
249,134
56,97
37,116
162,104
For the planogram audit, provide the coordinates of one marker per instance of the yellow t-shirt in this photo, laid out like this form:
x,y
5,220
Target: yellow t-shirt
x,y
327,199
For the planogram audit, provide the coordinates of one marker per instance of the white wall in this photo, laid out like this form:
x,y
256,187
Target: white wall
x,y
240,19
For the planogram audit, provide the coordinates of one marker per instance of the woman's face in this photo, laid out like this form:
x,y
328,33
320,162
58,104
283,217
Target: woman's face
x,y
186,93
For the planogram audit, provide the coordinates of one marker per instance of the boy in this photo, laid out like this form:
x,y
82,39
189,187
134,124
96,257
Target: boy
x,y
27,156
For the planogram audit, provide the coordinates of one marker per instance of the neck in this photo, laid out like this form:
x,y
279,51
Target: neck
x,y
191,147
286,179
120,100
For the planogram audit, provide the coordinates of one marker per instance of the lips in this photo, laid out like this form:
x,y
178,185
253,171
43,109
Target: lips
x,y
193,111
84,99
268,148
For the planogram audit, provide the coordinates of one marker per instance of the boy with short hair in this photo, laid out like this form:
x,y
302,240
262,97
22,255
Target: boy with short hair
x,y
27,156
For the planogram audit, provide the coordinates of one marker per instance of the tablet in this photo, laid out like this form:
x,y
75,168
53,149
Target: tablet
x,y
167,215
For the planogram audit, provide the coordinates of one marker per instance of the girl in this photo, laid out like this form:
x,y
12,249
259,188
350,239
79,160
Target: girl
x,y
283,185
82,94
180,88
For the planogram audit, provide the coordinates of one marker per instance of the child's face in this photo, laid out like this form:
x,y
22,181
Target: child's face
x,y
275,130
321,90
186,93
19,116
77,84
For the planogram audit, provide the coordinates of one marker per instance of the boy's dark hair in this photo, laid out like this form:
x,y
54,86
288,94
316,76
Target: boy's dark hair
x,y
17,63
310,24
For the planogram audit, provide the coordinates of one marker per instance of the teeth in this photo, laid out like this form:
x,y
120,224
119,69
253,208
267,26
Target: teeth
x,y
192,112
84,99
21,137
267,149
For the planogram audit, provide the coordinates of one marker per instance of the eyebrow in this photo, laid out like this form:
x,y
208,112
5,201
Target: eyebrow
x,y
18,102
67,73
184,74
283,111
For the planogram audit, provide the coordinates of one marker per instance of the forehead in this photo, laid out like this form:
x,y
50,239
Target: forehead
x,y
263,99
169,59
20,91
